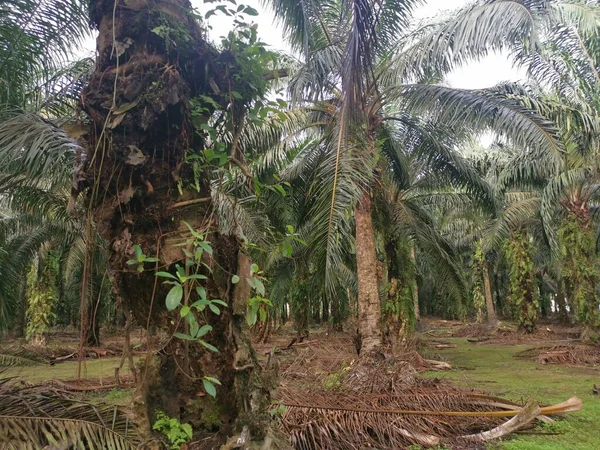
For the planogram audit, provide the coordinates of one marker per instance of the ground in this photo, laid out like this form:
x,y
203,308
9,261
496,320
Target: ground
x,y
319,364
493,368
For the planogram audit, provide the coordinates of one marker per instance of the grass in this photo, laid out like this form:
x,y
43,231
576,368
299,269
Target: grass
x,y
493,369
100,369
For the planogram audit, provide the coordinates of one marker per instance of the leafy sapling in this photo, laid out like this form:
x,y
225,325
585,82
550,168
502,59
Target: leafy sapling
x,y
140,258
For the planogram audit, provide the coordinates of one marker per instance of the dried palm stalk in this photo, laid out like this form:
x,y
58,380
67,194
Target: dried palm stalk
x,y
423,416
34,417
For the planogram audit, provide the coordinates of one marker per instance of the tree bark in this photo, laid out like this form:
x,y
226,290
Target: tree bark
x,y
369,307
415,290
138,102
489,299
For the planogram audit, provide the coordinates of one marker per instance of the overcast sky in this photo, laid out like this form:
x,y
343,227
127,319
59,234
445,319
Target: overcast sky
x,y
485,73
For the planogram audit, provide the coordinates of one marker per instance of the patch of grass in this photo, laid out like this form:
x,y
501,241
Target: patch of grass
x,y
493,369
92,368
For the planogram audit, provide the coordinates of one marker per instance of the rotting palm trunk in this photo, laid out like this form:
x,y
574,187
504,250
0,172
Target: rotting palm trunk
x,y
138,100
489,299
369,307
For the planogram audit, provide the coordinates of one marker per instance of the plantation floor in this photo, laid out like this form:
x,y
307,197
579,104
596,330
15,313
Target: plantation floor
x,y
494,369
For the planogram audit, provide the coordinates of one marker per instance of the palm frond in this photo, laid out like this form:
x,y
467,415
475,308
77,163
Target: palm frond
x,y
33,418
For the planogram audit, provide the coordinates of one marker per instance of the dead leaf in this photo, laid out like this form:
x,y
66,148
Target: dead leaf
x,y
135,157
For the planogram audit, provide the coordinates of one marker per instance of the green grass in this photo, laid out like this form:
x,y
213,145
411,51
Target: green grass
x,y
493,369
92,368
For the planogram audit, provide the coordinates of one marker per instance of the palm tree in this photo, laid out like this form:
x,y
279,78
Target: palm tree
x,y
364,59
150,114
564,87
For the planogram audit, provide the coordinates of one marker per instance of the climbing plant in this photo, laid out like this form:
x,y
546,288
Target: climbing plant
x,y
523,284
41,296
580,272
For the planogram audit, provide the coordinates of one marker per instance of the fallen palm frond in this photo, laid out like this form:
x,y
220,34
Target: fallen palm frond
x,y
14,355
35,417
10,360
425,416
563,354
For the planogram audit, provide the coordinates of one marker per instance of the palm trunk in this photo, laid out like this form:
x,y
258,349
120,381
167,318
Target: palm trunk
x,y
138,101
489,299
415,290
369,308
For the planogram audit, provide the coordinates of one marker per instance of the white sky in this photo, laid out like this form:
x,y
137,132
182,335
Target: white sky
x,y
488,72
485,73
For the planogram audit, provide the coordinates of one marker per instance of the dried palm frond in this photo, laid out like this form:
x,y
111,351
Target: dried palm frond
x,y
34,417
15,355
421,415
9,360
563,354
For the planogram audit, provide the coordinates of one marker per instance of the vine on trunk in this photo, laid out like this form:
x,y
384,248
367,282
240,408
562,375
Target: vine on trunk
x,y
580,272
523,284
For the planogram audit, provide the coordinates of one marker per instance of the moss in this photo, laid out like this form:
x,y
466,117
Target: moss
x,y
211,413
494,369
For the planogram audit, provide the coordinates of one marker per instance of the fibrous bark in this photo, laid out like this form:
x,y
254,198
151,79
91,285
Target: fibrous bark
x,y
152,60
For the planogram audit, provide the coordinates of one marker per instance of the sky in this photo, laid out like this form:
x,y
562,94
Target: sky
x,y
488,72
485,73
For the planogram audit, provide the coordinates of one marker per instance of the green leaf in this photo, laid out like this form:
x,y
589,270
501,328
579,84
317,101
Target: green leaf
x,y
184,337
137,251
201,292
197,276
213,380
250,11
204,329
187,429
194,326
219,302
209,388
206,247
166,275
235,279
251,317
140,268
200,304
254,268
131,262
174,297
287,249
212,348
263,314
214,308
184,311
259,286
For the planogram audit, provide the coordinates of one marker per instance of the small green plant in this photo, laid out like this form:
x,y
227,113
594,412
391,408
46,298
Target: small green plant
x,y
140,258
277,408
191,298
176,432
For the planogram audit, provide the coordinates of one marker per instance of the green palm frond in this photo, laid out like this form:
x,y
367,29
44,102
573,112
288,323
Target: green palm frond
x,y
466,34
483,110
38,36
33,149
